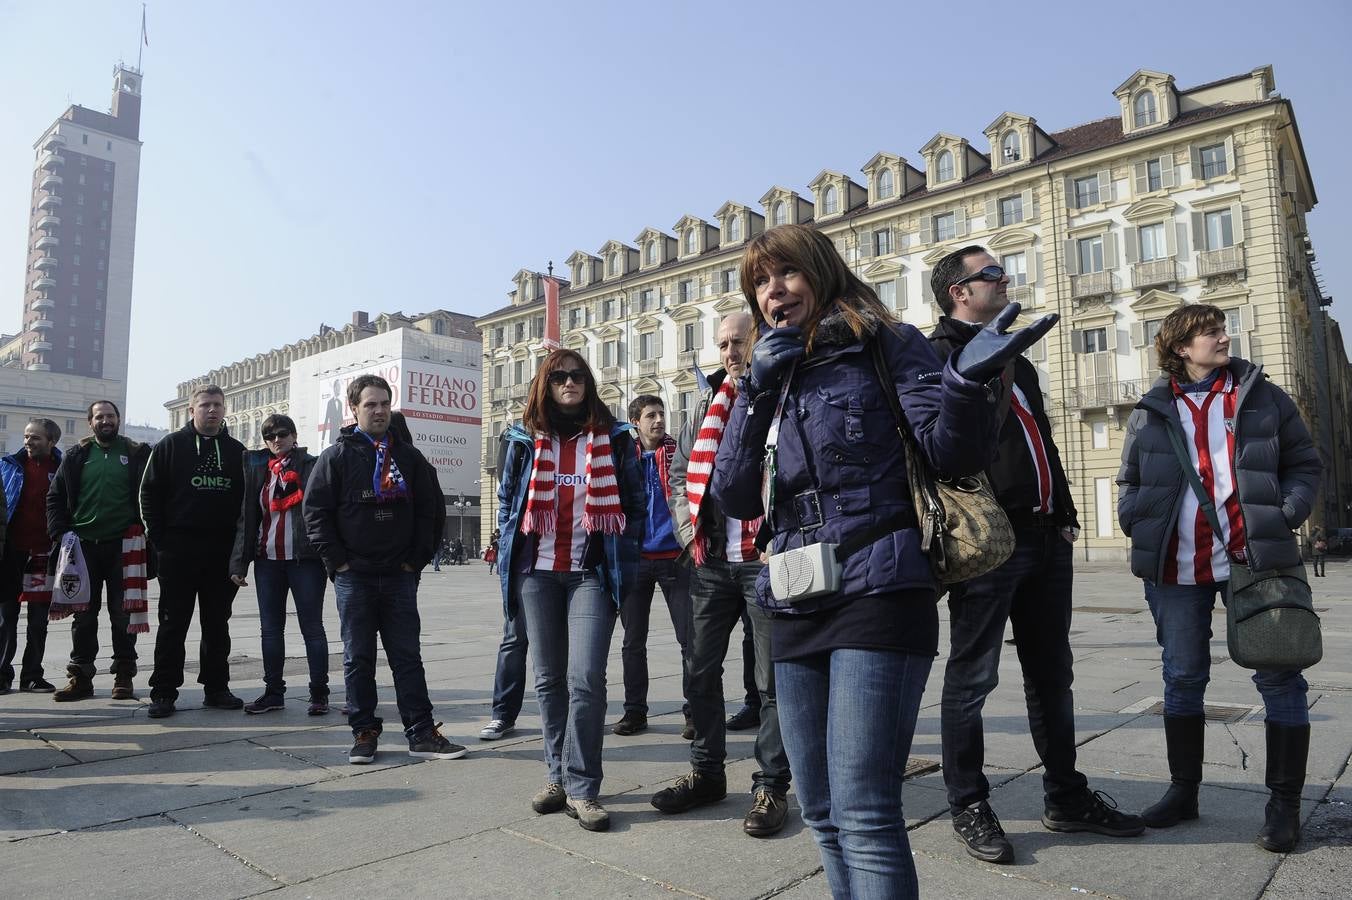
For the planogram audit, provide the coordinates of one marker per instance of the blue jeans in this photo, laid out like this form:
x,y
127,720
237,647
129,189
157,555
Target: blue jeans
x,y
383,603
1183,629
570,618
848,717
673,578
509,677
305,579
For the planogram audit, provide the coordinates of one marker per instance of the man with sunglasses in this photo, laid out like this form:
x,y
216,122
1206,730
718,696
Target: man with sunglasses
x,y
1032,589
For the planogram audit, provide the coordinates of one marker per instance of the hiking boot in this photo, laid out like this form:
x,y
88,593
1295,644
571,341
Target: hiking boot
x,y
688,732
744,719
122,689
691,790
78,688
550,799
1098,814
431,745
364,747
589,814
160,708
979,829
630,723
319,706
496,730
37,686
222,700
767,815
265,703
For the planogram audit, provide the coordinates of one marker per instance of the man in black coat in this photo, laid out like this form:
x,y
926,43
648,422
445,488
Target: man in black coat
x,y
1032,589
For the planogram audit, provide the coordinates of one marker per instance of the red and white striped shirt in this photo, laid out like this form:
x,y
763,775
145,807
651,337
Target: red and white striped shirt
x,y
274,532
1196,555
741,546
1037,448
562,551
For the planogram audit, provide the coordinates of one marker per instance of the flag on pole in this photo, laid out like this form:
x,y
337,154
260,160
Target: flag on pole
x,y
144,40
551,313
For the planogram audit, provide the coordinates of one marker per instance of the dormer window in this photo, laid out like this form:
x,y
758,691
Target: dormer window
x,y
943,164
1143,109
614,264
886,186
1010,147
735,228
691,241
830,200
781,213
650,253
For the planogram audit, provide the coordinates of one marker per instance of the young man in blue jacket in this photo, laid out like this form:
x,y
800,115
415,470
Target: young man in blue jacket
x,y
27,475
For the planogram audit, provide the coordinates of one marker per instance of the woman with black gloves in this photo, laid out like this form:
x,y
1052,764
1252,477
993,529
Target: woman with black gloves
x,y
1253,455
851,665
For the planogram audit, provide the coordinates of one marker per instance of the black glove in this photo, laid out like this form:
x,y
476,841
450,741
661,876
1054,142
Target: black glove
x,y
985,355
774,353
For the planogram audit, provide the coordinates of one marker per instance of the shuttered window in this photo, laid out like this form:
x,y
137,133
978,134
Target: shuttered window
x,y
1086,191
1214,162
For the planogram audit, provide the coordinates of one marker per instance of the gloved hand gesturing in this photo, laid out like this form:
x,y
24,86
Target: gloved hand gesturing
x,y
986,354
774,353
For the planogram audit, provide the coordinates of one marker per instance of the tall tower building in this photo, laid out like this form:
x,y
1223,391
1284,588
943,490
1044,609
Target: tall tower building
x,y
82,240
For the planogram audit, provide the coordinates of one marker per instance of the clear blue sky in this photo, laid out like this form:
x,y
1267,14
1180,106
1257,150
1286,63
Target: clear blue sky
x,y
306,159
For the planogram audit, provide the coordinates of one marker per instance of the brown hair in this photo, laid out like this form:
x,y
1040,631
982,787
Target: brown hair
x,y
833,284
361,383
1180,327
542,413
197,392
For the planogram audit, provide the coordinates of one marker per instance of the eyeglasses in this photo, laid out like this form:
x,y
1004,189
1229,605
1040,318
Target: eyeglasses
x,y
559,377
276,435
989,273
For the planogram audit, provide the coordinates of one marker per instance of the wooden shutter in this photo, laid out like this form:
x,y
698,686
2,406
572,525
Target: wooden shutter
x,y
926,288
1237,221
926,229
1068,185
900,289
1198,231
992,212
1138,334
1105,186
699,336
1070,252
1038,351
1246,318
1110,337
1170,237
657,344
1290,181
1026,201
1140,174
866,245
960,222
1077,342
1231,163
1167,171
1195,151
1034,265
1109,252
1131,242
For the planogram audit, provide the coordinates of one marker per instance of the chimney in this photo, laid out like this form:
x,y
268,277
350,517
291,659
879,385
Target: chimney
x,y
360,319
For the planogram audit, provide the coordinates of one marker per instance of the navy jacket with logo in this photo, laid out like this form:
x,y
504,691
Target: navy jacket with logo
x,y
189,493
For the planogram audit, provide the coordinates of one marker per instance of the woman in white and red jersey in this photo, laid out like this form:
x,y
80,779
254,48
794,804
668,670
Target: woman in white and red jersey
x,y
571,510
1254,456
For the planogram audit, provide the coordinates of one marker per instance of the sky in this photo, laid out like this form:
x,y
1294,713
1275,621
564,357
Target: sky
x,y
304,160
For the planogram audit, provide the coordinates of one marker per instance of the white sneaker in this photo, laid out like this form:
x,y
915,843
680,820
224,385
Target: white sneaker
x,y
496,730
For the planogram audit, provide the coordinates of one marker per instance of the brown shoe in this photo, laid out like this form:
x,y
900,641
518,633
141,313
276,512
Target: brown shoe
x,y
122,689
767,814
78,688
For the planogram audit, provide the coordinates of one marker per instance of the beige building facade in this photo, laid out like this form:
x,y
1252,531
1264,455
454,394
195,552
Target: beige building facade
x,y
1179,196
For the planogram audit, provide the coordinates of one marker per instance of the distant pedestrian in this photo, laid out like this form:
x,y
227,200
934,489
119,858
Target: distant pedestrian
x,y
1319,550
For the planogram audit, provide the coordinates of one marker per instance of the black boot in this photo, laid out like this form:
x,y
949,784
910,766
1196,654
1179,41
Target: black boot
x,y
1288,749
1185,738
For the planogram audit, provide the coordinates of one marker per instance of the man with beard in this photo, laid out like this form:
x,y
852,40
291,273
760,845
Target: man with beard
x,y
27,476
190,502
95,495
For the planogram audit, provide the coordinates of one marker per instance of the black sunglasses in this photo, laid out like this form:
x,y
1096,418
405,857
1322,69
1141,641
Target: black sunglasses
x,y
989,273
276,435
559,377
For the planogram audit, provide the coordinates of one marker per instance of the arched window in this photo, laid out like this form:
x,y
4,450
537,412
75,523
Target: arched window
x,y
735,228
885,185
1010,147
691,241
830,200
945,165
614,263
1144,108
652,252
781,214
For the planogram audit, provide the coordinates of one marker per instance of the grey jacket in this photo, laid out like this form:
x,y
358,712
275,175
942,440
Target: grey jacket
x,y
1277,472
715,530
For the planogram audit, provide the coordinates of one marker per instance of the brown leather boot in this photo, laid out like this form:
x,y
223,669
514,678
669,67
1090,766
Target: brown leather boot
x,y
78,688
122,689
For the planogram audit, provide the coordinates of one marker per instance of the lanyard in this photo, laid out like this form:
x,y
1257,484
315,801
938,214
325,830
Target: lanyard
x,y
197,438
772,450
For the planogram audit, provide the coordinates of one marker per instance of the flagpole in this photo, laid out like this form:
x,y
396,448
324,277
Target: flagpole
x,y
141,44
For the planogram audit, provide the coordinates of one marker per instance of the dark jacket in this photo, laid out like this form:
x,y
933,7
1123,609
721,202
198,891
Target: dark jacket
x,y
1012,473
620,552
64,495
714,527
11,474
256,477
346,524
838,438
1277,473
185,500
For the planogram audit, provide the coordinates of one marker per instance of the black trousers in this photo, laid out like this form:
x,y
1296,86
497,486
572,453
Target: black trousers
x,y
11,584
103,559
193,577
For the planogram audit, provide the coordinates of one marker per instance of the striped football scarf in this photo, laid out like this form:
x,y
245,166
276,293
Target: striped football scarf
x,y
135,598
37,584
602,511
701,467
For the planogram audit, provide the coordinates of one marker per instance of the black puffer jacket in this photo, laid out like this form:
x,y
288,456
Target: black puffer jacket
x,y
1277,473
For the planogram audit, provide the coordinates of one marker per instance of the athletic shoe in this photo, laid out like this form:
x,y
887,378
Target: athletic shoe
x,y
364,748
431,745
496,730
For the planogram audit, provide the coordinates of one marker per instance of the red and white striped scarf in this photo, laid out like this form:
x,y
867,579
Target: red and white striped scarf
x,y
602,512
135,597
701,467
37,584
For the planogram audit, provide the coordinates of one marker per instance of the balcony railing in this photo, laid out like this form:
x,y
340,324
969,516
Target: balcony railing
x,y
1022,295
610,373
648,366
53,141
40,346
41,303
48,201
42,324
51,161
1154,273
46,242
43,283
519,391
687,359
49,222
49,181
498,394
1094,284
39,367
46,262
1221,262
1108,392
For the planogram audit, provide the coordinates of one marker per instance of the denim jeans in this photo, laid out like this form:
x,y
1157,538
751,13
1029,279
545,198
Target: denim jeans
x,y
720,592
570,618
1033,591
385,604
306,580
848,718
191,576
509,677
635,611
11,611
1183,629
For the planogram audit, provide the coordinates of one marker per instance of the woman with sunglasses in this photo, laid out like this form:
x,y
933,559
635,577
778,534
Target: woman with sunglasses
x,y
850,665
271,535
571,508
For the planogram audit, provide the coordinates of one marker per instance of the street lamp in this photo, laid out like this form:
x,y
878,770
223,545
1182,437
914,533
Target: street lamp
x,y
460,506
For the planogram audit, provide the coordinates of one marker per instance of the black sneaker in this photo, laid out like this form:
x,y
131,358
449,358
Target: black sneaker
x,y
222,700
160,708
630,723
364,748
979,829
431,745
744,719
1098,814
265,703
37,686
691,790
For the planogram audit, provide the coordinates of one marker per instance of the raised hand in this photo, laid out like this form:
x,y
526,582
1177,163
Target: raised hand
x,y
774,353
986,354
